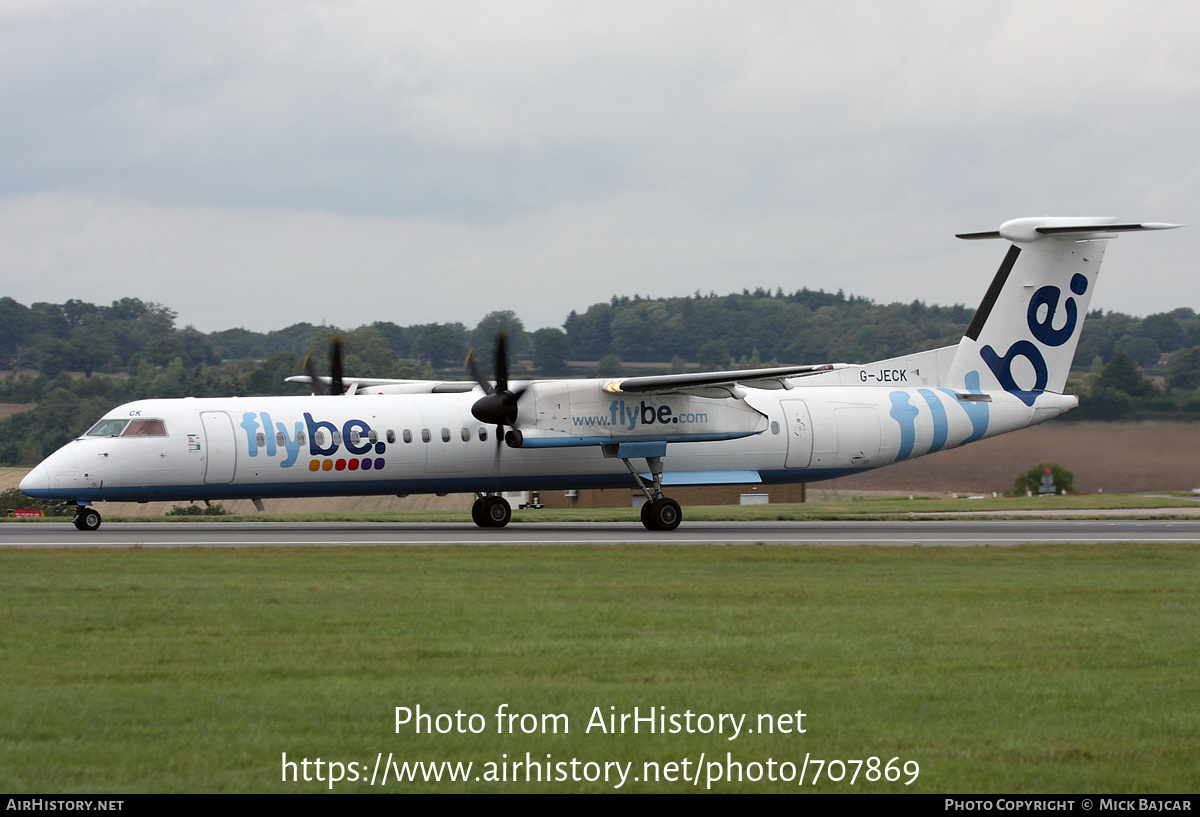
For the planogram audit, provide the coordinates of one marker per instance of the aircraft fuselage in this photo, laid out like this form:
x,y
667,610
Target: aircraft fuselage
x,y
259,447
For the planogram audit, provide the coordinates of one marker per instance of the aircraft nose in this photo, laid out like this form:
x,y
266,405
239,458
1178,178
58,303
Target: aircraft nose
x,y
36,482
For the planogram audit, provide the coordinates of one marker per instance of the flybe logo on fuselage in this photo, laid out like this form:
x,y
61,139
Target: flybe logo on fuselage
x,y
322,438
1042,328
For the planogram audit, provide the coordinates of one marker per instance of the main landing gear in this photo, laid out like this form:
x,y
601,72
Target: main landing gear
x,y
86,518
663,513
490,511
659,512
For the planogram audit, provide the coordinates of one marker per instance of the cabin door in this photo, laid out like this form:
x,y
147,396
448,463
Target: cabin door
x,y
799,433
220,455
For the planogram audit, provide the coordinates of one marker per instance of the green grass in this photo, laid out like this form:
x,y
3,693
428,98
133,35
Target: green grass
x,y
1030,669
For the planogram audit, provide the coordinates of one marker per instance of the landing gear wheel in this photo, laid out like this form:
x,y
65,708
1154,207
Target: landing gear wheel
x,y
87,519
662,514
494,512
477,512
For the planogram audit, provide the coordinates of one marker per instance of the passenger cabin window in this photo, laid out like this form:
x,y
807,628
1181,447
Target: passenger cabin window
x,y
145,428
391,436
482,434
107,428
425,435
261,439
445,435
466,434
407,436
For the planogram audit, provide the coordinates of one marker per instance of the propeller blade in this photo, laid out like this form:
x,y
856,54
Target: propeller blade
x,y
498,406
472,364
318,386
501,361
335,365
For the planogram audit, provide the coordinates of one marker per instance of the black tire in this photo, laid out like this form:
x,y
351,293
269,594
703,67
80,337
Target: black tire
x,y
496,512
87,519
477,512
664,514
646,514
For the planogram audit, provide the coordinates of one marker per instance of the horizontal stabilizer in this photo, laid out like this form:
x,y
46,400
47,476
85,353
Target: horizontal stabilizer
x,y
1111,228
1025,230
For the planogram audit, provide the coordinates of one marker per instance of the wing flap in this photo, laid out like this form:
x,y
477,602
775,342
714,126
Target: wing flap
x,y
681,382
387,385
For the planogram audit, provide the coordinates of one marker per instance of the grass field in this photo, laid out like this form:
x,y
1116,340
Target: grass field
x,y
1030,669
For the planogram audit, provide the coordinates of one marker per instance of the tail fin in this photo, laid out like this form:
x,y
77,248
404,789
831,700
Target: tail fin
x,y
1023,337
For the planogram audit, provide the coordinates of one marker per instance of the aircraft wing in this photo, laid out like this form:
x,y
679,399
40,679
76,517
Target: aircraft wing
x,y
393,384
694,382
761,378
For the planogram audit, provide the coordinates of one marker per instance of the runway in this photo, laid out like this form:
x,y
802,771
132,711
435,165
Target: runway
x,y
947,533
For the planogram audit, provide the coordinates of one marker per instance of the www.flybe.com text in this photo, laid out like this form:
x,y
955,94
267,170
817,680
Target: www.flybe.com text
x,y
629,417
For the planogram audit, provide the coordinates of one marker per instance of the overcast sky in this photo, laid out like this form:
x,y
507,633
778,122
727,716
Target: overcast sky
x,y
260,164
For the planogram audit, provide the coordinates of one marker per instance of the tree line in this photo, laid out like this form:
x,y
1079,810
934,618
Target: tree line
x,y
711,331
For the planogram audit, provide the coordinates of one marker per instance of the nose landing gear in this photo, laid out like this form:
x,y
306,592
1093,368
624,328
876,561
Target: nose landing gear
x,y
86,518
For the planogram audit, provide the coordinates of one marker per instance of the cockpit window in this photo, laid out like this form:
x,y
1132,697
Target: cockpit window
x,y
107,428
145,428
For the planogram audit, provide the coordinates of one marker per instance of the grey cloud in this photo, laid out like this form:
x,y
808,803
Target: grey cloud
x,y
697,145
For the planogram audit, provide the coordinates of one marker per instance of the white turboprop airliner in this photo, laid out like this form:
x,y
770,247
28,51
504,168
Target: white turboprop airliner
x,y
761,426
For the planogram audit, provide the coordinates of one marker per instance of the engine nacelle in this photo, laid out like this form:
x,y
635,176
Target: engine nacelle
x,y
563,412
